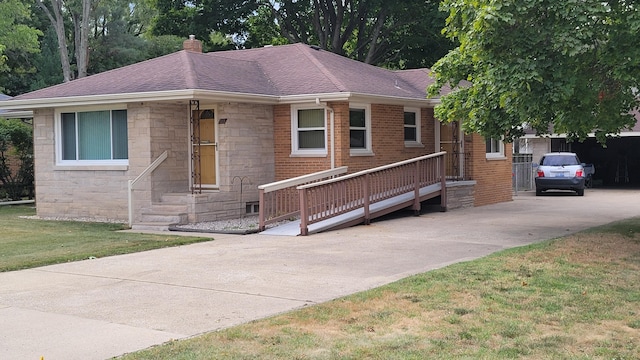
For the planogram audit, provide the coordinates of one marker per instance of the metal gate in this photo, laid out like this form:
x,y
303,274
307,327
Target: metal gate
x,y
522,172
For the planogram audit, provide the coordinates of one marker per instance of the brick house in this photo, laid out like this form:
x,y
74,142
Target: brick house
x,y
230,121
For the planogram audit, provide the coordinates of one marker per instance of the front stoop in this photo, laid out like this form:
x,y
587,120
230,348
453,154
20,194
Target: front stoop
x,y
161,216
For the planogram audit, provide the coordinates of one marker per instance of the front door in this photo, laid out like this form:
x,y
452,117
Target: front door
x,y
204,149
450,141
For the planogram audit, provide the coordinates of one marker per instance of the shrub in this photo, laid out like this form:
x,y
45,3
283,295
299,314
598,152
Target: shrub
x,y
16,159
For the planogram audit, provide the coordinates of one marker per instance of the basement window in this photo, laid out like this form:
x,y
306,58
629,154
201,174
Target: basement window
x,y
252,207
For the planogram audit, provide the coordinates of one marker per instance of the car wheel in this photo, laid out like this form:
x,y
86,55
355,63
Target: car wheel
x,y
580,192
538,192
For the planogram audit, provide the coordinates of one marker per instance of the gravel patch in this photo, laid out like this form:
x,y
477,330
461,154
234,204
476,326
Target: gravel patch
x,y
62,218
244,225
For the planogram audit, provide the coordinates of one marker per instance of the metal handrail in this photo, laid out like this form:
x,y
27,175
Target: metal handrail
x,y
143,174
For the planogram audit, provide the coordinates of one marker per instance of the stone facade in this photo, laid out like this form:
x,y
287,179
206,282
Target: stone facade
x,y
245,160
460,194
245,153
82,192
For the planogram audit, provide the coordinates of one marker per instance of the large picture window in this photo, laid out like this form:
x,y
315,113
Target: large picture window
x,y
309,135
94,136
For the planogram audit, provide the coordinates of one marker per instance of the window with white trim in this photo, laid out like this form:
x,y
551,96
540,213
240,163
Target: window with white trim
x,y
92,137
412,127
360,129
308,131
494,148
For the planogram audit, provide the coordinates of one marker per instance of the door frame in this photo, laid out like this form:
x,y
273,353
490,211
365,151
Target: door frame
x,y
202,107
461,139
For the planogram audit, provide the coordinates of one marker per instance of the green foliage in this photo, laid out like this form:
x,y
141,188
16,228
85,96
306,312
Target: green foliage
x,y
263,30
563,66
399,34
17,39
201,18
16,145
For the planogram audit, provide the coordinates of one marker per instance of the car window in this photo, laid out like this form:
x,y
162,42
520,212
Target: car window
x,y
559,160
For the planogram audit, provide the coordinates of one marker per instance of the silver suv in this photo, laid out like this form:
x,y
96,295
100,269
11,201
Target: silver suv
x,y
560,171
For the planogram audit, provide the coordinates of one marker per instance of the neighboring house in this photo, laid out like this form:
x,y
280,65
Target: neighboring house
x,y
616,165
13,114
230,121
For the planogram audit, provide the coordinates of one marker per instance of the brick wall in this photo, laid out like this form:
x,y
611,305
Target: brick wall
x,y
492,176
387,137
287,166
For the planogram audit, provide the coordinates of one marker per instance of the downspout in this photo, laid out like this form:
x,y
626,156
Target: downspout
x,y
332,150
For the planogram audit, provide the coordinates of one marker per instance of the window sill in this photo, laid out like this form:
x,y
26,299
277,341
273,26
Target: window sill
x,y
91,168
496,157
308,155
413,144
361,153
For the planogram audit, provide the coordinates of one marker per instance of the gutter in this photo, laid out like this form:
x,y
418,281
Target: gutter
x,y
172,95
191,94
331,130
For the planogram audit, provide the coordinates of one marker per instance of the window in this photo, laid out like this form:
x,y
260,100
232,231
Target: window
x,y
93,137
495,148
412,127
360,129
308,131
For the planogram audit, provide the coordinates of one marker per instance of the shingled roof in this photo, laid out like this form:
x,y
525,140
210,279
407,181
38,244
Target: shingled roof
x,y
274,72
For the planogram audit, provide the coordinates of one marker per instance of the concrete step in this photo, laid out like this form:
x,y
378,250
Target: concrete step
x,y
175,198
154,226
166,208
168,218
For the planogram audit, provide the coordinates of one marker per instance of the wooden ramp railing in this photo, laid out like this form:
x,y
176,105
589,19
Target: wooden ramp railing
x,y
279,200
327,199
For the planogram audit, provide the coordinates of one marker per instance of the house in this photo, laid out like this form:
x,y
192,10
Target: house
x,y
13,114
232,120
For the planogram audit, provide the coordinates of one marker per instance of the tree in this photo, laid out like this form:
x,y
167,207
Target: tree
x,y
372,31
16,144
78,13
18,40
202,18
568,66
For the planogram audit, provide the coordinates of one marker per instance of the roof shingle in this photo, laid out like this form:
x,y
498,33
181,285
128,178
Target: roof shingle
x,y
295,69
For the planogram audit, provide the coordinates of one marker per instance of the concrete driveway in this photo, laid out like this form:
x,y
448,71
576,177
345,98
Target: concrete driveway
x,y
97,309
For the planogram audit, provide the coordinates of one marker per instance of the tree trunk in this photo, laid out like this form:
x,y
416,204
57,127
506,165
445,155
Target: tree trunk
x,y
58,24
82,50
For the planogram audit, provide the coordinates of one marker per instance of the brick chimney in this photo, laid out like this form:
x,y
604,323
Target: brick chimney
x,y
191,44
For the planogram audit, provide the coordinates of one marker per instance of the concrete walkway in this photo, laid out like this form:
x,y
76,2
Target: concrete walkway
x,y
98,309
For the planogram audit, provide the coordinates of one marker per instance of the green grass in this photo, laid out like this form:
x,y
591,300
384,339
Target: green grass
x,y
27,243
571,298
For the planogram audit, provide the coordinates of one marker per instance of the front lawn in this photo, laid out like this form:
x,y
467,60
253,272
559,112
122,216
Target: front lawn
x,y
28,243
571,298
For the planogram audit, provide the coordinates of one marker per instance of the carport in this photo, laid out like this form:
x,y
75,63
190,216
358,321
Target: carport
x,y
616,165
